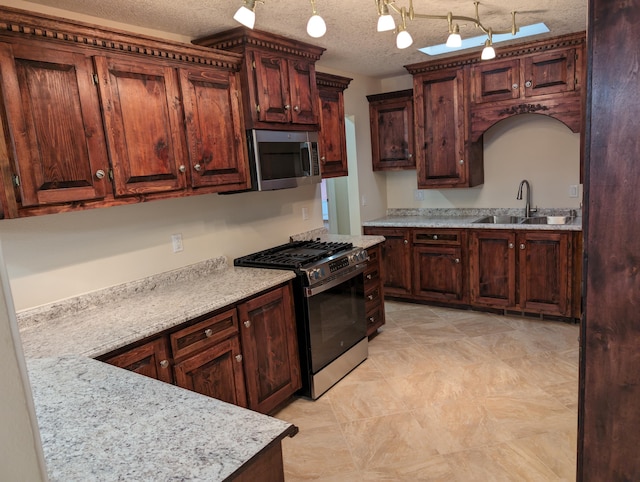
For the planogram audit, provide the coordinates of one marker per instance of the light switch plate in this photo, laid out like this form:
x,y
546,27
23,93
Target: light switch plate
x,y
573,190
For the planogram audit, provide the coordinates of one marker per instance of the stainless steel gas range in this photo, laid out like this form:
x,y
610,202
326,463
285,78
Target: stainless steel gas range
x,y
330,311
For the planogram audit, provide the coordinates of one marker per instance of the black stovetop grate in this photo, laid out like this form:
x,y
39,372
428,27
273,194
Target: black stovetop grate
x,y
292,255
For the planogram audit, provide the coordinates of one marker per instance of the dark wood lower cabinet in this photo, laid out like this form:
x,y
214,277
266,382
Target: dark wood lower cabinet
x,y
374,291
395,259
532,271
245,354
270,349
150,359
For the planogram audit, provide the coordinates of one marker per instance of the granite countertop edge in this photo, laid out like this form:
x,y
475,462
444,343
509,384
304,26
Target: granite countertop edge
x,y
100,422
464,218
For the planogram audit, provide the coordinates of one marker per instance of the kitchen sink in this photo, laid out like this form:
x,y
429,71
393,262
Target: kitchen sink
x,y
548,220
504,219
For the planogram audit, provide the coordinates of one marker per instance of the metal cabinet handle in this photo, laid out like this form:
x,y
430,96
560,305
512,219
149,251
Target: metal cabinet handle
x,y
197,167
100,174
528,83
296,108
208,332
238,358
461,162
406,242
510,245
287,107
370,297
369,277
247,323
323,159
515,86
371,319
410,156
182,169
164,363
435,237
522,246
457,260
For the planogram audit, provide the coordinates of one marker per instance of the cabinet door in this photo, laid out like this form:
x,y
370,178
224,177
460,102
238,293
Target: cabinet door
x,y
215,372
332,141
215,129
143,119
396,259
438,273
270,349
392,143
271,79
496,81
544,272
150,359
550,73
303,92
442,129
54,122
492,268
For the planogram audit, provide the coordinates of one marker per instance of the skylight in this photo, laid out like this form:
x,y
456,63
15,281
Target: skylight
x,y
469,43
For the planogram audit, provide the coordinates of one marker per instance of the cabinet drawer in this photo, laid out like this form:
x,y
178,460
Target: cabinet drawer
x,y
204,334
372,297
371,276
437,236
373,254
375,319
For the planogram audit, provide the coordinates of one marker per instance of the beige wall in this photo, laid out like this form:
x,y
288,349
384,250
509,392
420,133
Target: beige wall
x,y
534,147
20,450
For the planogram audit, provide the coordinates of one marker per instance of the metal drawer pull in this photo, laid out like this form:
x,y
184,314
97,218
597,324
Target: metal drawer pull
x,y
528,83
238,358
164,363
208,332
370,297
369,277
522,246
247,323
100,174
510,245
457,260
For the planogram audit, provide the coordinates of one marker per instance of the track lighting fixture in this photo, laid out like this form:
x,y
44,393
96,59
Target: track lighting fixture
x,y
316,26
403,39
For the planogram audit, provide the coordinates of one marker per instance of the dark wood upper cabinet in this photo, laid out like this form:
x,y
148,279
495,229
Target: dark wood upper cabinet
x,y
53,118
93,117
391,119
278,78
214,129
143,120
332,141
445,156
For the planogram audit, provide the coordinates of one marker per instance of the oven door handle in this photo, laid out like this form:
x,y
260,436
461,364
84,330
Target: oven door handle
x,y
311,291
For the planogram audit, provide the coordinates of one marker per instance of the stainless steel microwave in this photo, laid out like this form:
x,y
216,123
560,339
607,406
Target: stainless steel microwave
x,y
282,159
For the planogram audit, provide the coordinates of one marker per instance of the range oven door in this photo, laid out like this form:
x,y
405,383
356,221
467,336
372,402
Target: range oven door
x,y
336,318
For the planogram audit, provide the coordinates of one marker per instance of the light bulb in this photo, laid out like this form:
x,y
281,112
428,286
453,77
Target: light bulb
x,y
454,41
245,16
488,52
386,23
316,27
403,40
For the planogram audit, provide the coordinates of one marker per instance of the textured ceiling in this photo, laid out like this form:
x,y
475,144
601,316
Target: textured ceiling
x,y
351,41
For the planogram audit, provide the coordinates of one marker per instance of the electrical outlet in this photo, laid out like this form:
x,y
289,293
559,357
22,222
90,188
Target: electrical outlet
x,y
176,242
418,195
305,214
573,190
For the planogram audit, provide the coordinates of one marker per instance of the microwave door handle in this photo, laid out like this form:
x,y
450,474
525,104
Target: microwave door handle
x,y
306,158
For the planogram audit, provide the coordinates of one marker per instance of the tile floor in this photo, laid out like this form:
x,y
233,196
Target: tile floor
x,y
446,395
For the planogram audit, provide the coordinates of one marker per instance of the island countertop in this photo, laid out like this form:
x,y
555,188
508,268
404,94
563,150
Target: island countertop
x,y
102,423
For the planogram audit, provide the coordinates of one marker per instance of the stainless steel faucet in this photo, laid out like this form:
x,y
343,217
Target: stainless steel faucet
x,y
527,206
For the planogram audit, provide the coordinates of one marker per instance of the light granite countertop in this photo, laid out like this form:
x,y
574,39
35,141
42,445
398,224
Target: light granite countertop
x,y
102,423
464,218
97,323
321,234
